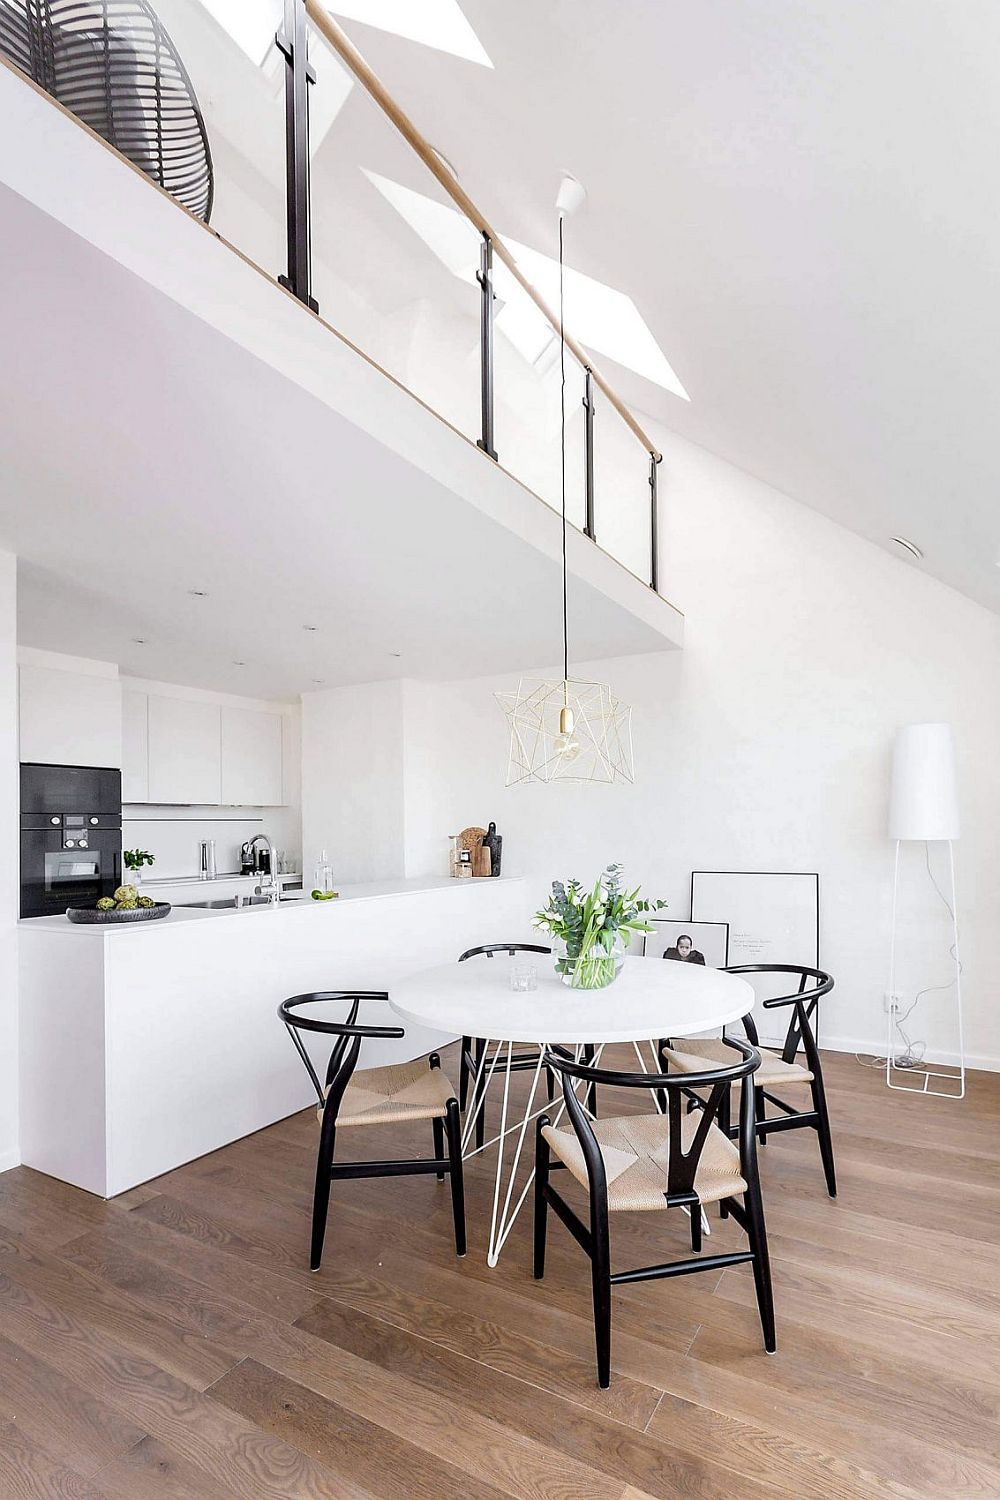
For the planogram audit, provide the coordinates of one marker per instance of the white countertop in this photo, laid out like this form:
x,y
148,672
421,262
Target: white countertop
x,y
371,891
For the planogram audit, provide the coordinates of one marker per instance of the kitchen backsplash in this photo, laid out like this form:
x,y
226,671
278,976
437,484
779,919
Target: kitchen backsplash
x,y
173,835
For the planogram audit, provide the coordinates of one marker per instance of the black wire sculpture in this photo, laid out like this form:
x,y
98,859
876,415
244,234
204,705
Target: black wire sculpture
x,y
112,63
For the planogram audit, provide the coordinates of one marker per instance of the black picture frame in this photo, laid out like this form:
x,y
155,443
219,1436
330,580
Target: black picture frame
x,y
742,949
685,924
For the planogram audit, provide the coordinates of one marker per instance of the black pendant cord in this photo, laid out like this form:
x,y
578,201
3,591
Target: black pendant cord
x,y
562,454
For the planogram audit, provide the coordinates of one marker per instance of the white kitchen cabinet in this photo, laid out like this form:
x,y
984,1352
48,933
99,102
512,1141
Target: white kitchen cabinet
x,y
69,718
251,758
135,746
185,751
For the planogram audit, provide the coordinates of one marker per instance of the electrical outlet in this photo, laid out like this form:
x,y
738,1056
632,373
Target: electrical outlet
x,y
892,1000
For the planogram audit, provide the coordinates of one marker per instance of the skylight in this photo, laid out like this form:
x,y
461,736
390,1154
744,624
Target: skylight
x,y
435,23
604,319
251,23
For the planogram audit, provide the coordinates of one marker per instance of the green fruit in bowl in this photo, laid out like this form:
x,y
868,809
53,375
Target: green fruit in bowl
x,y
317,895
145,902
126,895
106,903
325,895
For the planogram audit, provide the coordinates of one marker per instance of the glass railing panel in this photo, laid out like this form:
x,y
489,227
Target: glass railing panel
x,y
527,400
394,260
621,490
237,77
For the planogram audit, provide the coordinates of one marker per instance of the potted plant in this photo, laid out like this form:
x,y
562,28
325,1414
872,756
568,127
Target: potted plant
x,y
134,859
589,928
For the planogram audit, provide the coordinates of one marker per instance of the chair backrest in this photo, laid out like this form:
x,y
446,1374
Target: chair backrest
x,y
112,63
348,1036
682,1163
487,950
804,997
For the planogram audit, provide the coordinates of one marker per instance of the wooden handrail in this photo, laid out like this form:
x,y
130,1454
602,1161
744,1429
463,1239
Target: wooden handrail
x,y
341,43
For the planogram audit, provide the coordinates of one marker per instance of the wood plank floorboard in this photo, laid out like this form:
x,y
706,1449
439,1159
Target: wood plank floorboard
x,y
173,1345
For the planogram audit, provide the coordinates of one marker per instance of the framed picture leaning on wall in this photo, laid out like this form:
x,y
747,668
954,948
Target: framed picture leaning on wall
x,y
773,917
704,943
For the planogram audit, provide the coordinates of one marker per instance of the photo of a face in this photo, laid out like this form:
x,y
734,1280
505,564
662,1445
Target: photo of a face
x,y
702,944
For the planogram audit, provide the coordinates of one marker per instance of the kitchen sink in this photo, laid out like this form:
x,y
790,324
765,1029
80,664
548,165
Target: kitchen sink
x,y
229,903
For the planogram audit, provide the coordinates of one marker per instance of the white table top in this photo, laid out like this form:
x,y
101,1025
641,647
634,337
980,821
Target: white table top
x,y
650,998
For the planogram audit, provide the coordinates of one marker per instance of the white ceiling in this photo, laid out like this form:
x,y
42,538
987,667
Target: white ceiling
x,y
801,198
144,455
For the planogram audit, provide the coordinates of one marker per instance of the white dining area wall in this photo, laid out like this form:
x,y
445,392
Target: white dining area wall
x,y
764,744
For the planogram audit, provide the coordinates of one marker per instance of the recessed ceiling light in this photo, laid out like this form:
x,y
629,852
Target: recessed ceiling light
x,y
239,663
138,640
319,681
310,627
908,546
598,315
435,23
198,593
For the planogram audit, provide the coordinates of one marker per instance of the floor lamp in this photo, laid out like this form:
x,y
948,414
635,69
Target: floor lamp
x,y
923,808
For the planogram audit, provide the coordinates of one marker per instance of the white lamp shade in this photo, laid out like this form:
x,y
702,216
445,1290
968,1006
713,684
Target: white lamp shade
x,y
923,798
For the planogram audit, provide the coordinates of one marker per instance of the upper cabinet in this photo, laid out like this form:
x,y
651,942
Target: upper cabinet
x,y
135,746
251,757
185,751
69,718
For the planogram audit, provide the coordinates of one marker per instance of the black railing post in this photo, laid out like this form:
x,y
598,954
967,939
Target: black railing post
x,y
485,278
588,452
654,525
293,43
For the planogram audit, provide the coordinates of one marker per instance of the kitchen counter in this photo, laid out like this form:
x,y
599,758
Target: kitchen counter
x,y
377,890
145,1045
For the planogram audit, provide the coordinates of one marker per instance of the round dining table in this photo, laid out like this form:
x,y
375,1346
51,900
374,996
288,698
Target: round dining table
x,y
648,1000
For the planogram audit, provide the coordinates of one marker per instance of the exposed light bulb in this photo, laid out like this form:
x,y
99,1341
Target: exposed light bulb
x,y
566,745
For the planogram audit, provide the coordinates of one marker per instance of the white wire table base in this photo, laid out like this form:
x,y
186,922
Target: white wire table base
x,y
502,1220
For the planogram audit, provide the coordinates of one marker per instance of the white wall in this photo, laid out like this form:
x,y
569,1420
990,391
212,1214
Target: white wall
x,y
9,837
352,780
765,742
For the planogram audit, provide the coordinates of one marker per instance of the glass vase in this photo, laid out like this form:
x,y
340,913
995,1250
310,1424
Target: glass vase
x,y
593,970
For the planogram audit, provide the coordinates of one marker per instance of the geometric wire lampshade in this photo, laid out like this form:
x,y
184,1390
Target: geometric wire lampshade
x,y
592,743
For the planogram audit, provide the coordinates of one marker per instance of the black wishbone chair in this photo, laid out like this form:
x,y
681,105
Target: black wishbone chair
x,y
474,1048
641,1162
416,1090
777,1070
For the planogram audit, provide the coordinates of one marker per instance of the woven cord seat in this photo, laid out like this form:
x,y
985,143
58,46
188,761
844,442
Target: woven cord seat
x,y
636,1153
712,1052
403,1091
416,1090
678,1158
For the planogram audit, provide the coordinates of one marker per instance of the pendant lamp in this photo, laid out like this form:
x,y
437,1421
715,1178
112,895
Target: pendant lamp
x,y
569,729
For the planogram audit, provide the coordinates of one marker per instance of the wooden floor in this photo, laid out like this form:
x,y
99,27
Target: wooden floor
x,y
172,1344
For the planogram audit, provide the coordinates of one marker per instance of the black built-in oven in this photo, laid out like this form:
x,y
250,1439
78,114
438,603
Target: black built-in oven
x,y
71,836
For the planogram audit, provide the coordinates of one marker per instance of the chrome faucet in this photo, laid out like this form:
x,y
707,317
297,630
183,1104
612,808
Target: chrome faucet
x,y
271,887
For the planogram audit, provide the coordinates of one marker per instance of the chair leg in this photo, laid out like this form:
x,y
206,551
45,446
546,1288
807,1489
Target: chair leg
x,y
453,1128
761,1103
724,1122
600,1268
590,1098
463,1072
321,1195
695,1211
438,1129
541,1201
823,1131
479,1091
757,1236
